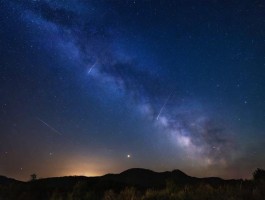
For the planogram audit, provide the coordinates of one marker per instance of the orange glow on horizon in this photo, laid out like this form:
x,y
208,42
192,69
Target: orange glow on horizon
x,y
82,166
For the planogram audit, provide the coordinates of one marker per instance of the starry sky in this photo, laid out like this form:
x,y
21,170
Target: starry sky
x,y
99,86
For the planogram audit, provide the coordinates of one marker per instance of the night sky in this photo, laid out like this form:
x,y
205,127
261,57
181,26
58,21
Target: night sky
x,y
96,87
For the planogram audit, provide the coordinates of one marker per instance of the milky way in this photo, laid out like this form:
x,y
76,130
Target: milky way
x,y
92,87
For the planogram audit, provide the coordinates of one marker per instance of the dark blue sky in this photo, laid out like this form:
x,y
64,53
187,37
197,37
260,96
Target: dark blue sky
x,y
92,87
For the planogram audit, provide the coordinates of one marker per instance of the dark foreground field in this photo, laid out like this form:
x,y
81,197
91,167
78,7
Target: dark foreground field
x,y
135,184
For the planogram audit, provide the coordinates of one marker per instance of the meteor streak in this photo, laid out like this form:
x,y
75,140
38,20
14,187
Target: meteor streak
x,y
163,106
53,129
91,68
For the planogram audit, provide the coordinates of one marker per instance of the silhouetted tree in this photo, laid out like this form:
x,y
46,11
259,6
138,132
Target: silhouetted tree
x,y
259,174
33,177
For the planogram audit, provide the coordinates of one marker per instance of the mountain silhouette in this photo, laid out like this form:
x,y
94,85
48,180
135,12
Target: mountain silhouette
x,y
7,181
147,178
136,177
